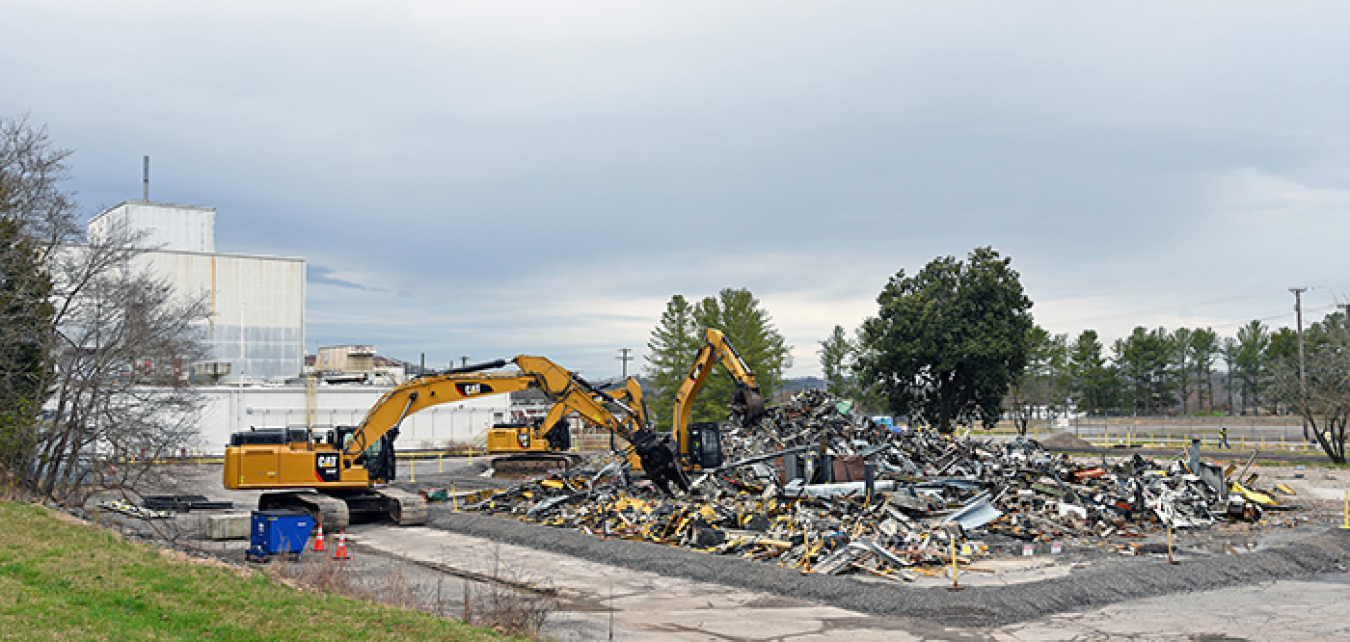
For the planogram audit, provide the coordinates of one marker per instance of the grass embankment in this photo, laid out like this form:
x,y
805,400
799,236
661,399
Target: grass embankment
x,y
61,580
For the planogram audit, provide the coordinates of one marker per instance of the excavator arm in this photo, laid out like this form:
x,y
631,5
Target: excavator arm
x,y
629,396
747,402
381,423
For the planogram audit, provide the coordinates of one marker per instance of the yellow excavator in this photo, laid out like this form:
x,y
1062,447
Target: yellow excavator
x,y
547,442
698,446
346,471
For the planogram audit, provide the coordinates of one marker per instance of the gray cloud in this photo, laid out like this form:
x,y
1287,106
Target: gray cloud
x,y
316,275
487,179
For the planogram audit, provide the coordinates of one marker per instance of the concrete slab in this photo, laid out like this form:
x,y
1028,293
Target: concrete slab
x,y
597,601
642,606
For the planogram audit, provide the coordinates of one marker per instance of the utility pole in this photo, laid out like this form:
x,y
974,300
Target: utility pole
x,y
1302,371
625,359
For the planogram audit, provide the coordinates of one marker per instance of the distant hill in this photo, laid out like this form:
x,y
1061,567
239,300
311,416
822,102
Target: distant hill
x,y
803,383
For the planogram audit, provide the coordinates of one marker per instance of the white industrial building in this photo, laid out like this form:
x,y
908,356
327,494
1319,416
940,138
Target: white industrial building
x,y
256,327
256,335
231,409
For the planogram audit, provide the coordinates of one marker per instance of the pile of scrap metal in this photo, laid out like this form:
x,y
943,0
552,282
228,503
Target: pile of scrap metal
x,y
127,508
816,487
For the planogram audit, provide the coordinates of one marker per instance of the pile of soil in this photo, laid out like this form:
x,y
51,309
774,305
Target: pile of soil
x,y
1066,441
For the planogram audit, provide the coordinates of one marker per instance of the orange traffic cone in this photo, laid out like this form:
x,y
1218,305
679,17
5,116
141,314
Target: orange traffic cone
x,y
319,546
340,553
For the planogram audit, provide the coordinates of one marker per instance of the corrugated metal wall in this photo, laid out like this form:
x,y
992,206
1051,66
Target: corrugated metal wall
x,y
257,307
233,409
188,228
257,303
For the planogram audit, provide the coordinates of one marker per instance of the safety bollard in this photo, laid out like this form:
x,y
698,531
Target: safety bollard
x,y
1170,559
956,584
1346,526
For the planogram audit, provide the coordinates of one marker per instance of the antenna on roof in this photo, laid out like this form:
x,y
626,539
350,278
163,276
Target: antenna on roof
x,y
145,181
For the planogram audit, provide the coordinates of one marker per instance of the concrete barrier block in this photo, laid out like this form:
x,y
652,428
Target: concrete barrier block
x,y
229,526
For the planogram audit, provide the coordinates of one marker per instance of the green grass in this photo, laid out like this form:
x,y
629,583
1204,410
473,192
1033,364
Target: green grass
x,y
60,580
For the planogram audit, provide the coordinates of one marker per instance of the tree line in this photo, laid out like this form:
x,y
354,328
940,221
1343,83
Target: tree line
x,y
1158,372
955,344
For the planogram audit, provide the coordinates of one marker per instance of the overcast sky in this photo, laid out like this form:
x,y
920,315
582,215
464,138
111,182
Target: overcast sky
x,y
487,179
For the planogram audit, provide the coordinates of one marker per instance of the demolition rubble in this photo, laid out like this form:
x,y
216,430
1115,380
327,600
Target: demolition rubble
x,y
815,487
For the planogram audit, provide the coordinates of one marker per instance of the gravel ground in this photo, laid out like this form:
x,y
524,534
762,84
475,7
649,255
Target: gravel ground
x,y
983,606
1294,545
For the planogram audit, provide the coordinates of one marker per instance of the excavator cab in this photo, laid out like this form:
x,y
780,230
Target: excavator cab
x,y
559,436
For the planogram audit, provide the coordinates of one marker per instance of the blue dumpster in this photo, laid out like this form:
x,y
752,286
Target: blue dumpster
x,y
278,532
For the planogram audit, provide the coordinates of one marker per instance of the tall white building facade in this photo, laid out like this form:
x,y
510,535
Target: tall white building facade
x,y
256,324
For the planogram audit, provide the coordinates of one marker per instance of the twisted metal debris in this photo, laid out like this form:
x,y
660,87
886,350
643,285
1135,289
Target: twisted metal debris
x,y
816,487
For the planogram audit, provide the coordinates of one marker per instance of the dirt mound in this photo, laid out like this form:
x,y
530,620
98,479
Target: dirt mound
x,y
1066,441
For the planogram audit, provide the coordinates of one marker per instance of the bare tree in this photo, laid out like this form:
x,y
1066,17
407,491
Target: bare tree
x,y
1324,402
116,341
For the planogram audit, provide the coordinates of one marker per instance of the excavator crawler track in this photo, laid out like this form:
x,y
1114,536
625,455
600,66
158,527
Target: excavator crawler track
x,y
406,509
329,512
534,463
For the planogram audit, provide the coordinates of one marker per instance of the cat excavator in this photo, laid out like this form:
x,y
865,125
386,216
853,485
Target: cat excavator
x,y
347,471
695,446
698,446
528,446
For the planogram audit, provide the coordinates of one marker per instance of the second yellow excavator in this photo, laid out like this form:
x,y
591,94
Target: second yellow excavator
x,y
529,446
696,445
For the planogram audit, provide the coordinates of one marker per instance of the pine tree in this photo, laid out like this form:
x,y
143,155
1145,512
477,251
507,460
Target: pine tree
x,y
670,350
836,359
676,341
25,317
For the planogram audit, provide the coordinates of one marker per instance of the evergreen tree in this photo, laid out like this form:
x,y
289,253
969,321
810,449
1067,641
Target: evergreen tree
x,y
947,343
676,341
1204,349
1249,361
836,359
1179,347
1144,360
670,350
26,318
1092,380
